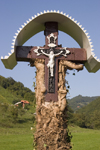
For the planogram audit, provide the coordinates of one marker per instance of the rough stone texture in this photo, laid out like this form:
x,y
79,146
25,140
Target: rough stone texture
x,y
51,129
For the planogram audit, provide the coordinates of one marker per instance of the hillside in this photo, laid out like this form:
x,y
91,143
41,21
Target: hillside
x,y
91,107
12,91
89,116
80,101
6,96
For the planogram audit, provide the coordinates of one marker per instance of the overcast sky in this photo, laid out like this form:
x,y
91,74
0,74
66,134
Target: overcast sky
x,y
14,13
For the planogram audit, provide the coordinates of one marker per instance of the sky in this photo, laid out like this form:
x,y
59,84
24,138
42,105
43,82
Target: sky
x,y
14,13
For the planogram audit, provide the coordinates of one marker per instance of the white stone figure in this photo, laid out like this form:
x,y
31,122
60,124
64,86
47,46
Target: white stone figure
x,y
51,60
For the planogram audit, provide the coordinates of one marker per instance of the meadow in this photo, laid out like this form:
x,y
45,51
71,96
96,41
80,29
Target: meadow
x,y
16,139
22,138
85,139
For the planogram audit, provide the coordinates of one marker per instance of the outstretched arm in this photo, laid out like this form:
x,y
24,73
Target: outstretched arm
x,y
58,53
44,53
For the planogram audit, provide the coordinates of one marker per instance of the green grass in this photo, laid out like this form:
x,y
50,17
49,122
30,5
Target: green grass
x,y
22,138
85,139
16,139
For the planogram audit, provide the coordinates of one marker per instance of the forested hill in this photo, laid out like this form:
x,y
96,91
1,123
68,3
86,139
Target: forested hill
x,y
80,101
89,116
7,97
92,107
12,91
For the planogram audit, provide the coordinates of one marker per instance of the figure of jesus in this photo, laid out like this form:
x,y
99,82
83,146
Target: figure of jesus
x,y
51,60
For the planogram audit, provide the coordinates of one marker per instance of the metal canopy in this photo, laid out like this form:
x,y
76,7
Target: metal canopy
x,y
65,24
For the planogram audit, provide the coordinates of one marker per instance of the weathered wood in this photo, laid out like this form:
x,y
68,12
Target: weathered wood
x,y
27,53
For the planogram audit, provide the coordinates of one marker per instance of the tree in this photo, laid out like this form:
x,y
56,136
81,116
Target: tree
x,y
11,81
70,114
95,120
80,120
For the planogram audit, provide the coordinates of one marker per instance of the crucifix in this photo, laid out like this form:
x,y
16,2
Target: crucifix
x,y
52,53
52,60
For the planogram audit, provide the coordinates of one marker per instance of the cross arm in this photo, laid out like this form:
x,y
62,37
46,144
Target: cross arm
x,y
22,53
76,54
26,53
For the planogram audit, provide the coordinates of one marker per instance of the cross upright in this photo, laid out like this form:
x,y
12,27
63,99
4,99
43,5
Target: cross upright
x,y
52,53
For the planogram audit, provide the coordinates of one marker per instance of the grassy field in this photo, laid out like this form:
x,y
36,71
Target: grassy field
x,y
16,139
85,139
22,139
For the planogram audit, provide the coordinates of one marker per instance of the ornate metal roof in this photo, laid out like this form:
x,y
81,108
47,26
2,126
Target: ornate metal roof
x,y
66,24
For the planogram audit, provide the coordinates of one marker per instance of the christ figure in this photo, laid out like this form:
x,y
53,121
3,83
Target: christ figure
x,y
51,60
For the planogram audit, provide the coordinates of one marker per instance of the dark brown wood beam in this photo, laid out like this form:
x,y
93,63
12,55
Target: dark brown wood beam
x,y
26,53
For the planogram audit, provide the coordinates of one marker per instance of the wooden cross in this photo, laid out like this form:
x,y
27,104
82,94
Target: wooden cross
x,y
52,53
